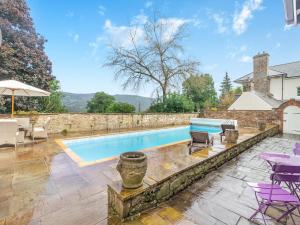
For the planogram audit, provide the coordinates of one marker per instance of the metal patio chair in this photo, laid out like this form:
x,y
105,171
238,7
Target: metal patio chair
x,y
297,148
274,195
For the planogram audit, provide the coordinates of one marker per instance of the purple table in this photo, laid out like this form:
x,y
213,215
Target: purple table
x,y
280,158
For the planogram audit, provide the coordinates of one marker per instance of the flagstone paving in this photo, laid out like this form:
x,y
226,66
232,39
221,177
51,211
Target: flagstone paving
x,y
41,185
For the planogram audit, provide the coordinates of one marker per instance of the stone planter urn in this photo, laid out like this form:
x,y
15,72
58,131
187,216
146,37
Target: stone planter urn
x,y
231,135
261,125
132,167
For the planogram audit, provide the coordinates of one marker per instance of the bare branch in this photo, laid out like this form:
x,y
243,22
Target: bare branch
x,y
155,59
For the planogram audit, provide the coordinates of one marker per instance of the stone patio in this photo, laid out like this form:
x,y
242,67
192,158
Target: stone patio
x,y
41,185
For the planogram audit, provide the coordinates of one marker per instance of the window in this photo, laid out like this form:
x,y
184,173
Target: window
x,y
298,91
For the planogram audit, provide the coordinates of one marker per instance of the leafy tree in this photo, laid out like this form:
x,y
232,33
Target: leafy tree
x,y
226,85
154,61
22,53
238,91
226,100
200,88
54,103
174,103
121,107
100,103
229,98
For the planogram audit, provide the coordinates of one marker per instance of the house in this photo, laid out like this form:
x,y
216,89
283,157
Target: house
x,y
269,87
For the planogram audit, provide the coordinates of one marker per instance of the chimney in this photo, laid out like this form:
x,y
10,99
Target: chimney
x,y
260,73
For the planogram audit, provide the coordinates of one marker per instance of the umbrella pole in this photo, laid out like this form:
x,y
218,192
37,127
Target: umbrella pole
x,y
12,103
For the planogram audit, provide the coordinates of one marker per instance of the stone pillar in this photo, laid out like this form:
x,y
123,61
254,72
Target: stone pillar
x,y
260,73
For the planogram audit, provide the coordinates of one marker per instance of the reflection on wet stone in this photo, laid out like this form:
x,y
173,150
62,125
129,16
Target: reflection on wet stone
x,y
41,185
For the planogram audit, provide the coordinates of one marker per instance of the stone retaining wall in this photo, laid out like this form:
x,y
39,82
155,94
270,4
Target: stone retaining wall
x,y
77,122
85,122
246,118
126,205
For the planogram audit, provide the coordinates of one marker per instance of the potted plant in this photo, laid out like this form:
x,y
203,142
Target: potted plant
x,y
132,167
261,125
231,135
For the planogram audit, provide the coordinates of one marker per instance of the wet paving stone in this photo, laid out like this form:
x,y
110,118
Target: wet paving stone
x,y
41,185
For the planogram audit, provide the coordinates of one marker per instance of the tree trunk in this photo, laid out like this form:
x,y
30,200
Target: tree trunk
x,y
164,93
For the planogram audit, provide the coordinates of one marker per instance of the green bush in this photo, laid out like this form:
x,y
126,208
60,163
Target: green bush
x,y
120,107
174,103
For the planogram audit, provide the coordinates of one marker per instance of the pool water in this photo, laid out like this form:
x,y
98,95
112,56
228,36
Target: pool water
x,y
97,148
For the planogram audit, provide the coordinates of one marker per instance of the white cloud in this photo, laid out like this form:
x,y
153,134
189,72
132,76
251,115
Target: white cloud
x,y
171,26
96,44
243,48
242,17
121,35
245,59
101,10
220,20
268,35
210,67
148,4
75,37
139,19
287,27
70,14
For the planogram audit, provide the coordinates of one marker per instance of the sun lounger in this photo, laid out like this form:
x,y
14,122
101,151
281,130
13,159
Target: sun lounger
x,y
199,138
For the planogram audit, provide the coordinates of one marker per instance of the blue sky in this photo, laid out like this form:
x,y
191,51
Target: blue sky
x,y
223,36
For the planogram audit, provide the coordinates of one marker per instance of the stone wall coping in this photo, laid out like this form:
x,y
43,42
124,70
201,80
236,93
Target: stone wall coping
x,y
86,113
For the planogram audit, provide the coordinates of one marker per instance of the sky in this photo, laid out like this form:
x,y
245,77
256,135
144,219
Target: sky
x,y
222,35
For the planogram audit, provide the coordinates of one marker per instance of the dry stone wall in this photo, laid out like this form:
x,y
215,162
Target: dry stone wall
x,y
79,122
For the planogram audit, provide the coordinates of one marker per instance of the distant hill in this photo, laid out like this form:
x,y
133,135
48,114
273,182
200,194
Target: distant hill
x,y
77,102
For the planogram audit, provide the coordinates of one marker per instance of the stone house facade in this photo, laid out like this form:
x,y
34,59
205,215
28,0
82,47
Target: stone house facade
x,y
272,88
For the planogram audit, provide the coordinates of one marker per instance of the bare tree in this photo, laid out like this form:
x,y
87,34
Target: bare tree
x,y
156,59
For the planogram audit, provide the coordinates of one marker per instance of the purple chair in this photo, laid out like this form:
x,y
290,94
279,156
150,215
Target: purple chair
x,y
272,194
297,148
297,151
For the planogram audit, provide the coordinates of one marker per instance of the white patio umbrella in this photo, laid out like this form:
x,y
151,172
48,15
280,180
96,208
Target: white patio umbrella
x,y
17,88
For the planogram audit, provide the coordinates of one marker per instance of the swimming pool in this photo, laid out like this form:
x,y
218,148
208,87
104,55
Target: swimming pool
x,y
99,148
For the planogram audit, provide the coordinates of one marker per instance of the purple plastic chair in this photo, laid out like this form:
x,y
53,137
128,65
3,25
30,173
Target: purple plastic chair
x,y
270,195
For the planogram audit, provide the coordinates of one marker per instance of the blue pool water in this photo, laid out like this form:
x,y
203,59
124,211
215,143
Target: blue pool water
x,y
96,148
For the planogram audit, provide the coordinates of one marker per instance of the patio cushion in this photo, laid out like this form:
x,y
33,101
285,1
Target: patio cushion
x,y
37,129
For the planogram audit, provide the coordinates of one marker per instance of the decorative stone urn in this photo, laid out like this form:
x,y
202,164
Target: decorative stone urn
x,y
231,135
132,167
261,125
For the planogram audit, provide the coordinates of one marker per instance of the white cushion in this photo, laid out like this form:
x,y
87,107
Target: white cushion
x,y
38,129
